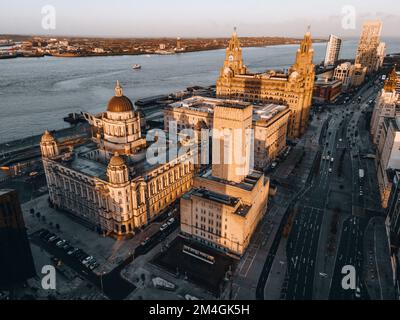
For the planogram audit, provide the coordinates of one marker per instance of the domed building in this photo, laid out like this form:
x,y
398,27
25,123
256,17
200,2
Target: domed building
x,y
119,128
107,181
48,145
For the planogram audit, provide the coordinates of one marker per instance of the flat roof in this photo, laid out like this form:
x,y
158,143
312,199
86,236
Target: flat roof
x,y
247,184
269,111
214,196
203,104
241,210
89,167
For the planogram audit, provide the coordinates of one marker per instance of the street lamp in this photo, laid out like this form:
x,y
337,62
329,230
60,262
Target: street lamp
x,y
101,281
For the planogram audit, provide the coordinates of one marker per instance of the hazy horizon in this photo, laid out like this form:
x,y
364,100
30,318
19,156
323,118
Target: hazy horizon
x,y
208,19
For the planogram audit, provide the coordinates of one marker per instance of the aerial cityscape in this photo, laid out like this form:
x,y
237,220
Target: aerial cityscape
x,y
225,163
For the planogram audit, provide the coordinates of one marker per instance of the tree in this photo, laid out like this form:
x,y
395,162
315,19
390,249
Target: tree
x,y
38,215
57,226
32,211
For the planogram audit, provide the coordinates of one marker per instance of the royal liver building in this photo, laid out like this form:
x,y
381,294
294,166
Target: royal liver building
x,y
293,87
108,181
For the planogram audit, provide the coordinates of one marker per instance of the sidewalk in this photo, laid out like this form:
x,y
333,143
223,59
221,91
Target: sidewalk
x,y
276,278
377,268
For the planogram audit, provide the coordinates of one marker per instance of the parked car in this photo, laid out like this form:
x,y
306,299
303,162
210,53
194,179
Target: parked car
x,y
44,233
170,221
77,252
145,241
87,259
47,236
358,293
163,227
67,247
60,243
93,265
83,256
72,251
54,239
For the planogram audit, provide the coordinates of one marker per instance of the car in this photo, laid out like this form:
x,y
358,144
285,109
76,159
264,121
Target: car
x,y
60,243
87,263
77,252
82,256
170,221
163,227
47,236
330,170
43,233
90,262
145,241
93,265
72,251
87,259
274,165
67,247
358,293
53,239
323,275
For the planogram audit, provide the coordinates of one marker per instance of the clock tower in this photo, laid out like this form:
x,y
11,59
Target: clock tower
x,y
233,63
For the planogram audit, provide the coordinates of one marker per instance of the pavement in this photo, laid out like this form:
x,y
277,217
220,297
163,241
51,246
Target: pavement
x,y
377,269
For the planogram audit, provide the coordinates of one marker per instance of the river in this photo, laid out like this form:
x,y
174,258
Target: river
x,y
36,93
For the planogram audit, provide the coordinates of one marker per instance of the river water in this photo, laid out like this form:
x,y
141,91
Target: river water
x,y
36,93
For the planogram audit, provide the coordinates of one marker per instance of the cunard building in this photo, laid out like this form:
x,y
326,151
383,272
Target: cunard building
x,y
293,88
107,182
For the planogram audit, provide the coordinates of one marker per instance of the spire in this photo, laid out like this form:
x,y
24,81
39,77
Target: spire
x,y
391,81
47,136
234,34
306,43
118,89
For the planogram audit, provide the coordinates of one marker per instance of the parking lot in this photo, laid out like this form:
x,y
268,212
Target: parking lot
x,y
87,261
111,284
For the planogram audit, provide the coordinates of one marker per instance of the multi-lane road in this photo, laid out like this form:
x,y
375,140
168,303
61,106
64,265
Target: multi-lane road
x,y
305,234
331,218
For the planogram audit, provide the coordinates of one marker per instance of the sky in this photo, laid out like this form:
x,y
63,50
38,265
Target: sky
x,y
199,18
